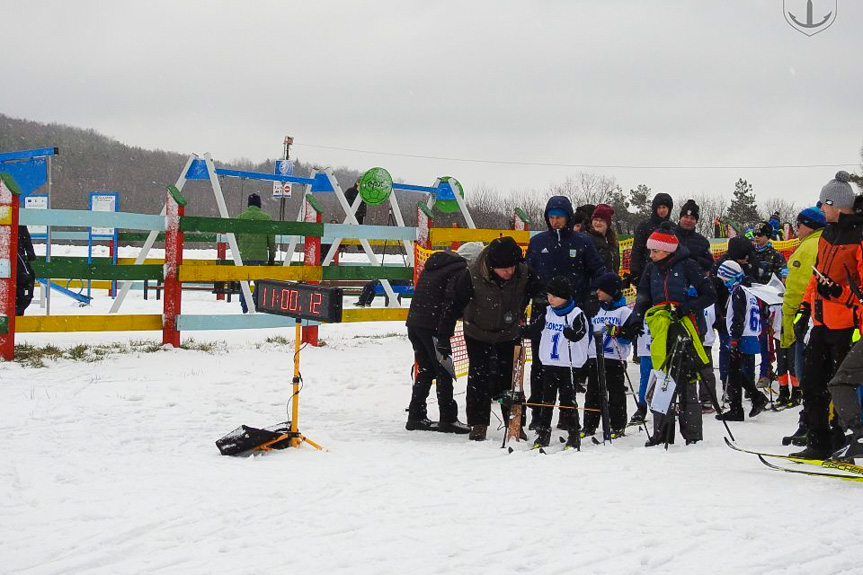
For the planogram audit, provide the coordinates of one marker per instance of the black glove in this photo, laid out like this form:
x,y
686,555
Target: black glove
x,y
443,345
801,321
828,289
681,311
578,329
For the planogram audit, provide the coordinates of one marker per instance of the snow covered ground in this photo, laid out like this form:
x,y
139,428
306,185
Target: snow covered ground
x,y
110,467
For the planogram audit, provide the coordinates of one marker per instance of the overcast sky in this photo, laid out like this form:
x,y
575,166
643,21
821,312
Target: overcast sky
x,y
600,82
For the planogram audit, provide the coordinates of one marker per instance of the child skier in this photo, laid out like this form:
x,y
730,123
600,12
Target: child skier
x,y
743,319
612,315
663,291
562,348
645,366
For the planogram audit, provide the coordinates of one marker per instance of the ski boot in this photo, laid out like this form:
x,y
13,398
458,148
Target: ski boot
x,y
763,382
424,424
639,416
477,432
617,433
783,397
796,397
852,449
543,438
587,433
759,402
818,446
797,438
573,441
733,414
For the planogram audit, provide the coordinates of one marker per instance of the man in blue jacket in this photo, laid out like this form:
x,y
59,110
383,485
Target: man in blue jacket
x,y
560,251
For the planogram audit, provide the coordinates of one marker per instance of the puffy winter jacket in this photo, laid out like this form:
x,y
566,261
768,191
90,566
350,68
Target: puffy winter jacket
x,y
698,246
668,280
492,309
639,257
256,247
433,286
564,252
799,272
838,254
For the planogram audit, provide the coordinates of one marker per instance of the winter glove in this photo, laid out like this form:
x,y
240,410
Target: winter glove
x,y
828,289
443,345
801,321
681,311
578,329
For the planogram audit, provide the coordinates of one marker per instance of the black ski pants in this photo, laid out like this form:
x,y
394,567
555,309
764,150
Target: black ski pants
x,y
557,379
616,386
489,376
429,370
825,352
843,388
740,377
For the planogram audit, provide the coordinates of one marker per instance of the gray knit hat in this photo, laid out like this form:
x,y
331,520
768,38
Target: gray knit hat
x,y
838,192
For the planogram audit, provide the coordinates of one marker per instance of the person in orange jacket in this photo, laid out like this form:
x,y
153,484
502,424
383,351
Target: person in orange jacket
x,y
849,375
832,315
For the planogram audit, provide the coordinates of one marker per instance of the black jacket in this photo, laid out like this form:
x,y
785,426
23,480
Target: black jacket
x,y
351,194
434,286
609,254
668,282
698,246
639,257
565,252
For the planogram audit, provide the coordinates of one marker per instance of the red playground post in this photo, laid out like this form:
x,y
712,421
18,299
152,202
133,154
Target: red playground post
x,y
175,208
9,203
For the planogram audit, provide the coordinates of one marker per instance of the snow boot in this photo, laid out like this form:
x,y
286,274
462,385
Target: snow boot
x,y
456,427
543,438
477,432
424,424
852,449
733,414
783,397
759,402
639,416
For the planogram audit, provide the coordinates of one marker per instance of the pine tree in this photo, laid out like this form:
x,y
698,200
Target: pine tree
x,y
744,209
640,199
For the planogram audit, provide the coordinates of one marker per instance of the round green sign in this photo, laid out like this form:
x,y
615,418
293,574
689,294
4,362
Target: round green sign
x,y
449,206
375,187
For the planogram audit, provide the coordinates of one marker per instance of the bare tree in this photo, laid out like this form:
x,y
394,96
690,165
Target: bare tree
x,y
787,210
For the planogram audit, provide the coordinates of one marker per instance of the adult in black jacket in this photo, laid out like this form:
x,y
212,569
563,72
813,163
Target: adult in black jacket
x,y
491,297
560,251
434,286
661,206
698,245
351,195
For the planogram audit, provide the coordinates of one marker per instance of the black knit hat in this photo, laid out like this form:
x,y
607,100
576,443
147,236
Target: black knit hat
x,y
690,208
560,286
503,252
255,200
610,283
739,248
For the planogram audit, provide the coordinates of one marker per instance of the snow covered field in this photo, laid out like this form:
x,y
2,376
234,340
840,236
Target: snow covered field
x,y
110,467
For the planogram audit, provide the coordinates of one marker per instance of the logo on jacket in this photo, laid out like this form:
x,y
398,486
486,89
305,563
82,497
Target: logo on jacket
x,y
544,251
573,253
813,22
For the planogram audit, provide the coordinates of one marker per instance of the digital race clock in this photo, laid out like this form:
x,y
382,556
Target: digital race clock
x,y
298,300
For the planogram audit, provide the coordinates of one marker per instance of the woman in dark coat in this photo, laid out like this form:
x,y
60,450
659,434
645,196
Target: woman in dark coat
x,y
604,237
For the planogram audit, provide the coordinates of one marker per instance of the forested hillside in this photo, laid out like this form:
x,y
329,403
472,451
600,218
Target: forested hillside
x,y
90,162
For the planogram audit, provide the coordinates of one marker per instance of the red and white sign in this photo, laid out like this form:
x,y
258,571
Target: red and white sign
x,y
281,190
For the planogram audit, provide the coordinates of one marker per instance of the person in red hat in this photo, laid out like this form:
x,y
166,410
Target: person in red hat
x,y
666,281
604,237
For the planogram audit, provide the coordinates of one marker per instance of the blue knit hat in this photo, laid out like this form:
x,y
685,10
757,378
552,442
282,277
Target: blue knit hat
x,y
811,217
